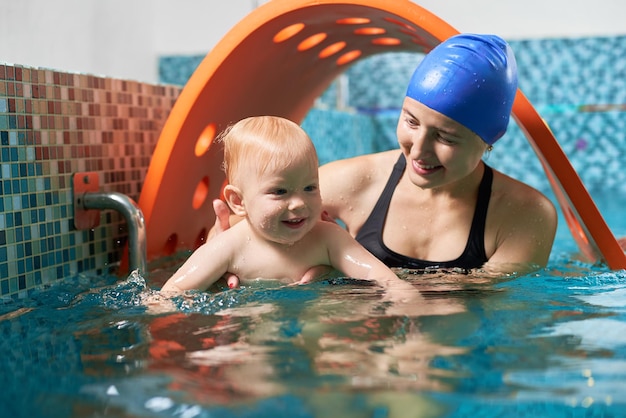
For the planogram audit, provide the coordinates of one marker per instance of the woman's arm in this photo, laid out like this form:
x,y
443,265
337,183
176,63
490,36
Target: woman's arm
x,y
526,223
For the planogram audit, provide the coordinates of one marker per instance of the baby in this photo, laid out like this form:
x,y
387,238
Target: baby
x,y
272,168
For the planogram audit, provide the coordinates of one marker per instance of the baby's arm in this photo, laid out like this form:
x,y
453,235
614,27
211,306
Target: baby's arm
x,y
352,259
204,267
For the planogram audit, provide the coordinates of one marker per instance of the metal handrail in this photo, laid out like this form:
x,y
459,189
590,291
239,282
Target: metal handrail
x,y
137,254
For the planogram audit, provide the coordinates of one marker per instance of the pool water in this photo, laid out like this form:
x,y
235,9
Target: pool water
x,y
552,343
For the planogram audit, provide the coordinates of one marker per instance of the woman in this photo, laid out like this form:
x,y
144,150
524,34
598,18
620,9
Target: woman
x,y
435,204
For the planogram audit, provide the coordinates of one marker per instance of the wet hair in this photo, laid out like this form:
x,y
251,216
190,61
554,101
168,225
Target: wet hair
x,y
472,79
259,144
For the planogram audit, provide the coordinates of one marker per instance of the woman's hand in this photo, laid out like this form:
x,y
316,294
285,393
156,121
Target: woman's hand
x,y
222,217
222,223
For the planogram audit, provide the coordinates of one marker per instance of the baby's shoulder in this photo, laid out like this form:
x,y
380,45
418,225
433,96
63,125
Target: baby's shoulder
x,y
326,228
234,237
328,232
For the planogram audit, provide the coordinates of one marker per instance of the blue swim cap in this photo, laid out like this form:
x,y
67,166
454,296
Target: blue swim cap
x,y
471,79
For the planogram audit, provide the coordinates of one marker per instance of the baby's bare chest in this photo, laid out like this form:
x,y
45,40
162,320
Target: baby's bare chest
x,y
284,263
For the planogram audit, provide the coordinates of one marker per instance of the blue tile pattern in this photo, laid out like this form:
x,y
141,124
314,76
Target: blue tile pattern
x,y
176,69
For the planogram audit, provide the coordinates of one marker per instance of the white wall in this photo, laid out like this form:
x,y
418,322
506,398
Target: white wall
x,y
524,19
112,37
124,38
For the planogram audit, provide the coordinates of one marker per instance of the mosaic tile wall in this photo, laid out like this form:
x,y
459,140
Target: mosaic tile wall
x,y
578,86
52,125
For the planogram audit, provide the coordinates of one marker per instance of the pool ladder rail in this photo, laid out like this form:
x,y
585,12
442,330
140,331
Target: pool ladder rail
x,y
88,201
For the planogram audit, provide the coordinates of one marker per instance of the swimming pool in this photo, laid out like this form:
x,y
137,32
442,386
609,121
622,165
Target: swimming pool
x,y
548,344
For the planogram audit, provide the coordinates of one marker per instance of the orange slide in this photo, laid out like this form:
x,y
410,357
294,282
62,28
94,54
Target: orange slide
x,y
278,60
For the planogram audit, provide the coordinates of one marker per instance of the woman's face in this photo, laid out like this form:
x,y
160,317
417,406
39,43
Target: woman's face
x,y
438,150
283,205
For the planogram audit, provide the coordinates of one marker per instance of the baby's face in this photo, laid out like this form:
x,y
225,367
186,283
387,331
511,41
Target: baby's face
x,y
283,205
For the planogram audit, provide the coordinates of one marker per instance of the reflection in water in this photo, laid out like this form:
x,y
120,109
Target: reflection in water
x,y
348,336
546,344
315,342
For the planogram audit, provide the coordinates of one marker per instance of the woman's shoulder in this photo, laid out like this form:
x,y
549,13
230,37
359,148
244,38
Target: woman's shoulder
x,y
351,177
380,158
360,167
512,193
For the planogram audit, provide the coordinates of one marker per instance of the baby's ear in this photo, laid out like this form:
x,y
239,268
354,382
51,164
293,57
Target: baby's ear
x,y
234,198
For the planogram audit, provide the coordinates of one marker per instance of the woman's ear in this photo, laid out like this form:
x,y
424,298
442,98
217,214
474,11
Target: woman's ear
x,y
234,198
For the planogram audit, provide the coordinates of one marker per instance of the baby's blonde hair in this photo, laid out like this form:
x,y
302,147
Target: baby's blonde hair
x,y
260,143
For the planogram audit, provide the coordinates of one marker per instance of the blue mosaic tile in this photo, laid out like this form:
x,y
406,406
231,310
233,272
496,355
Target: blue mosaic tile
x,y
177,69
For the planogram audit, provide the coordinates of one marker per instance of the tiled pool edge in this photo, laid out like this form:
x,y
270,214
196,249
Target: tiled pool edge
x,y
54,124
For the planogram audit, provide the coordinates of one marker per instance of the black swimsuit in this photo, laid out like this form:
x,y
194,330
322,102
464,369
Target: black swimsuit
x,y
371,233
